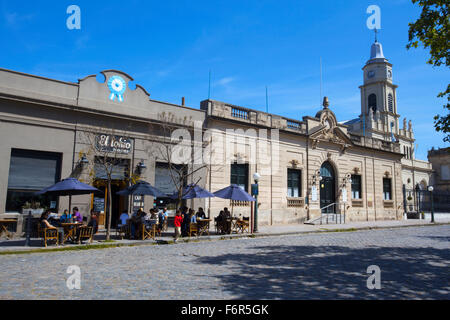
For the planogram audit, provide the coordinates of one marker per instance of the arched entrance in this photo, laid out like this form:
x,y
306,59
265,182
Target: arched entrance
x,y
327,188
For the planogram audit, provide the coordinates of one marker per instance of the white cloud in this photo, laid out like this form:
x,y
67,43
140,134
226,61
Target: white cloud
x,y
225,81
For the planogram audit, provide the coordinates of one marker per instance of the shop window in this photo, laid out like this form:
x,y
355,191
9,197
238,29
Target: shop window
x,y
294,183
31,171
119,168
165,176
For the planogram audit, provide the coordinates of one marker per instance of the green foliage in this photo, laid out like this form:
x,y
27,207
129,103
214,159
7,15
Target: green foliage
x,y
432,30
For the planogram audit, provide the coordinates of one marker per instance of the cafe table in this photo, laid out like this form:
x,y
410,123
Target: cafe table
x,y
70,231
4,227
203,226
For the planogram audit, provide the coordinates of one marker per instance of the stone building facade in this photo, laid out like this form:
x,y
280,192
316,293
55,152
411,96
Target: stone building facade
x,y
440,160
52,130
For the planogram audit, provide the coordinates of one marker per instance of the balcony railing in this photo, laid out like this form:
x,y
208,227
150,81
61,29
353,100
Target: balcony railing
x,y
239,113
295,203
236,203
294,125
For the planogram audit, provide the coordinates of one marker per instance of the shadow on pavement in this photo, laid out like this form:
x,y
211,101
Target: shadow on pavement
x,y
334,272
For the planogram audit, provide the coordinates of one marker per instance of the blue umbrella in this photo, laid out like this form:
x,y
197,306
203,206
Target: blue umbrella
x,y
142,188
69,187
193,192
234,192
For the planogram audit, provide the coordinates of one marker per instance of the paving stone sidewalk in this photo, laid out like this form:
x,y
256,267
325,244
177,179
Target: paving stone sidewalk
x,y
18,244
414,264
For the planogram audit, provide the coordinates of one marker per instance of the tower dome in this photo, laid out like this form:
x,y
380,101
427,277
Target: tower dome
x,y
376,53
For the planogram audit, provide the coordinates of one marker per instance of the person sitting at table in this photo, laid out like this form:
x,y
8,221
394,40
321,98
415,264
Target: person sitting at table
x,y
220,219
77,215
93,222
227,213
151,219
66,217
201,214
43,220
226,223
123,219
45,224
193,218
135,221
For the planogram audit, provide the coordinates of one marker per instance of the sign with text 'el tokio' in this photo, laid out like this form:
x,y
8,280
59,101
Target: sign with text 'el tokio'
x,y
113,144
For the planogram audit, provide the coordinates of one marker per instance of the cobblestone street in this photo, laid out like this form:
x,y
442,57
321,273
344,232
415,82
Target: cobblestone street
x,y
414,263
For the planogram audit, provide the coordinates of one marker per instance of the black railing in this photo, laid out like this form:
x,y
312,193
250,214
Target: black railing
x,y
420,200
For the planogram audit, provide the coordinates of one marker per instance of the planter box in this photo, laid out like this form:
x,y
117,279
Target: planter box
x,y
33,211
413,215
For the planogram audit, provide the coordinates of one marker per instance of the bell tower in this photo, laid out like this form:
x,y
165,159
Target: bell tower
x,y
378,97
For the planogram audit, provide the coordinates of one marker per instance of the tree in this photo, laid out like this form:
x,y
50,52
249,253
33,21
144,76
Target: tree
x,y
178,154
432,29
109,152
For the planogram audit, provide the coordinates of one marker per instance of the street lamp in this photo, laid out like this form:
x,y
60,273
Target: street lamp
x,y
256,177
141,167
430,188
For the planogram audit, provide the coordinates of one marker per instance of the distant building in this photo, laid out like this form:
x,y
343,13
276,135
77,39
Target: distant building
x,y
440,161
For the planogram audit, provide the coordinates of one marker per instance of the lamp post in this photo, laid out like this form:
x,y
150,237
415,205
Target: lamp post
x,y
430,188
141,167
256,177
28,230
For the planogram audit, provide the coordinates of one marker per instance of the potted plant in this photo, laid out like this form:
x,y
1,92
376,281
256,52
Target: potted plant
x,y
409,198
34,207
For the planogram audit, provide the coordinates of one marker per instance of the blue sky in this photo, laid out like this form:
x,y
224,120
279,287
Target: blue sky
x,y
169,47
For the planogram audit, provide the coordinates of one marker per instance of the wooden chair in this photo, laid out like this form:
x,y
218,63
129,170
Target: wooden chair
x,y
85,233
243,225
147,234
246,225
217,225
193,228
48,234
124,231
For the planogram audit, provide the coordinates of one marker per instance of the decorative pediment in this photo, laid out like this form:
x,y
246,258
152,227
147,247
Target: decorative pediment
x,y
328,130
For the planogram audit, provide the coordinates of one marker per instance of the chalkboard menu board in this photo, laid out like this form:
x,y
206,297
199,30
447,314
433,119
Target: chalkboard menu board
x,y
99,204
138,202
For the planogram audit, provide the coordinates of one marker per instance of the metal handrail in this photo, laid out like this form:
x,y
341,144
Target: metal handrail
x,y
329,205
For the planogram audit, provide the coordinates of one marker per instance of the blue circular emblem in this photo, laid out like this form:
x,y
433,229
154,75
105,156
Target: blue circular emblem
x,y
117,86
